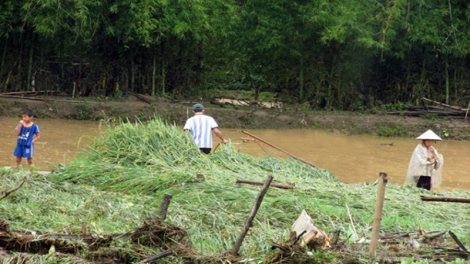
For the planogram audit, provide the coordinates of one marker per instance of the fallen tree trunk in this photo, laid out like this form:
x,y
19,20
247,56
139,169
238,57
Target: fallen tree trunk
x,y
277,185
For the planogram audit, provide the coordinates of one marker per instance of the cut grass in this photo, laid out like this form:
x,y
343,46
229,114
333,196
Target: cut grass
x,y
118,183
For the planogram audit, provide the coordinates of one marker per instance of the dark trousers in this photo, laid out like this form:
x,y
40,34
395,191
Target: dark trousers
x,y
205,150
424,182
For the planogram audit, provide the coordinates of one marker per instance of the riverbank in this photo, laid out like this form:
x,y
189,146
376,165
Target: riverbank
x,y
289,117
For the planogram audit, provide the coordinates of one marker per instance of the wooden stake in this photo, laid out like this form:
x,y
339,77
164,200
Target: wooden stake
x,y
468,108
378,213
84,224
271,145
251,216
164,206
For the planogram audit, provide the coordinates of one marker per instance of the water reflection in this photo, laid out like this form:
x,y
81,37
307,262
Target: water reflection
x,y
352,158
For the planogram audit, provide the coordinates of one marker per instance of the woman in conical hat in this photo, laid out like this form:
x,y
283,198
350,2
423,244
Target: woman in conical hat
x,y
425,168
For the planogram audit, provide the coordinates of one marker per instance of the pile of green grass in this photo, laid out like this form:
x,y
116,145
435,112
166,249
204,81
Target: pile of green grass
x,y
119,182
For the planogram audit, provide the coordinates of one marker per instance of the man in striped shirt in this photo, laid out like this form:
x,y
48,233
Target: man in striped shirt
x,y
201,127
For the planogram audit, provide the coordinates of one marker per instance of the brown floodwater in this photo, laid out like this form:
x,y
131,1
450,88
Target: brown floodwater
x,y
353,159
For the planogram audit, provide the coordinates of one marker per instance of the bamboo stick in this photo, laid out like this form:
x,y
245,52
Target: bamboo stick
x,y
162,254
271,145
249,220
277,185
352,222
458,241
444,199
378,213
216,147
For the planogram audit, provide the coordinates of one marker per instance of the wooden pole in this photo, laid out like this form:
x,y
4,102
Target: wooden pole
x,y
271,145
378,213
164,206
468,108
277,185
444,199
251,216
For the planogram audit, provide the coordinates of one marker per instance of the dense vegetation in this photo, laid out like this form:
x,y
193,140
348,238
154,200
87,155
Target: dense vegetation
x,y
119,181
345,55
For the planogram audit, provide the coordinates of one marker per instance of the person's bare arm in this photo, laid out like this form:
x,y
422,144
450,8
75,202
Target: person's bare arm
x,y
18,128
36,137
219,134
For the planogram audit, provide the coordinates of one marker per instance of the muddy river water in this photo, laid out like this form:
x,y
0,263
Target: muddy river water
x,y
353,159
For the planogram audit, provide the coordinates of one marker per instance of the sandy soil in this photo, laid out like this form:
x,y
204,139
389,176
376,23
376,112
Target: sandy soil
x,y
231,117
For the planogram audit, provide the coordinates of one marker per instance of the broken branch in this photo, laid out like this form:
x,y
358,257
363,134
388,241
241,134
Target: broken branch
x,y
5,194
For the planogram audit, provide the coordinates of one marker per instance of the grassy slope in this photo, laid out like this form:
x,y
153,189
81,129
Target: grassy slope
x,y
119,183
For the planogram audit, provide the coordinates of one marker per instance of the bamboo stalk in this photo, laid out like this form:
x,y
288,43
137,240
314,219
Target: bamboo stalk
x,y
271,145
444,199
277,185
251,216
446,105
378,213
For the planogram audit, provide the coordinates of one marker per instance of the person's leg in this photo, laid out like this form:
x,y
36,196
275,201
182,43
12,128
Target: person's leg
x,y
424,182
18,161
30,161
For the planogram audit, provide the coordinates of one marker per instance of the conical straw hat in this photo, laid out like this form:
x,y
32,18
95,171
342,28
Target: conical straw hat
x,y
429,135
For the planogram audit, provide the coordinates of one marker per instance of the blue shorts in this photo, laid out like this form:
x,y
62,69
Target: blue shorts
x,y
24,151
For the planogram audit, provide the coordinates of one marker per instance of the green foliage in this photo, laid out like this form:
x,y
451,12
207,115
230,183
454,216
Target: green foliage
x,y
340,55
83,112
400,106
386,131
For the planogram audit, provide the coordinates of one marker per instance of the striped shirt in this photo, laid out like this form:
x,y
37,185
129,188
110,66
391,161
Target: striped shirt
x,y
201,128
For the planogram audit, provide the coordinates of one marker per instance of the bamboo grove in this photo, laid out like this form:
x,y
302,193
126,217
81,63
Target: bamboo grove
x,y
345,55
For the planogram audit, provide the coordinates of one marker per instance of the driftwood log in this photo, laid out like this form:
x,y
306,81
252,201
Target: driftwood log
x,y
444,199
277,185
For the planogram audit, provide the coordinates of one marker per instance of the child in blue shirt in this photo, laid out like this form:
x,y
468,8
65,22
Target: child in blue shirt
x,y
28,133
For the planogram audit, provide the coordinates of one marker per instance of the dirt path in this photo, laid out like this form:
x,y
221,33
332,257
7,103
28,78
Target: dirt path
x,y
230,117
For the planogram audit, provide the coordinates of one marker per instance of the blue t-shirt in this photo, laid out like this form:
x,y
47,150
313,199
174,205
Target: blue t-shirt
x,y
25,138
